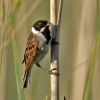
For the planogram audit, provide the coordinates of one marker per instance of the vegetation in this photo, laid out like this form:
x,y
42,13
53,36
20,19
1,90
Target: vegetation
x,y
79,50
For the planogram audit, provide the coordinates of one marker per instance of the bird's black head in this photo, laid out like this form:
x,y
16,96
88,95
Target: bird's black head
x,y
42,27
40,24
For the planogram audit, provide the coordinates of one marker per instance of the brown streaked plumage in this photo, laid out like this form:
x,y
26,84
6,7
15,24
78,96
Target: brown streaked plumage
x,y
30,51
29,57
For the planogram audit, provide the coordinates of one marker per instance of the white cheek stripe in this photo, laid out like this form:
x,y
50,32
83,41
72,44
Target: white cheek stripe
x,y
34,31
42,29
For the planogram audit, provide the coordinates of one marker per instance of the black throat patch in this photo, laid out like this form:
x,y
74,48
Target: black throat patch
x,y
47,35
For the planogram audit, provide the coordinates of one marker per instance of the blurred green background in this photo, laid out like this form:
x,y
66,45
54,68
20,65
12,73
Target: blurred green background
x,y
77,35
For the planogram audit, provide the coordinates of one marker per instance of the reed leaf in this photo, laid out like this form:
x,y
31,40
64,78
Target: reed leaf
x,y
93,57
17,69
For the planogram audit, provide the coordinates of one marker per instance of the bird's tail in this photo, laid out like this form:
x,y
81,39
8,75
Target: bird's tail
x,y
26,78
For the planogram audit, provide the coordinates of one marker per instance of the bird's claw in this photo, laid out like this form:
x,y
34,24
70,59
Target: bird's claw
x,y
54,41
53,73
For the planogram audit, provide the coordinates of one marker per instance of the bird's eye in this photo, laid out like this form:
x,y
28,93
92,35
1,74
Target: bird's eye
x,y
42,24
38,26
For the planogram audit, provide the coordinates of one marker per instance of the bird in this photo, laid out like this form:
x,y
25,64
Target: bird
x,y
37,47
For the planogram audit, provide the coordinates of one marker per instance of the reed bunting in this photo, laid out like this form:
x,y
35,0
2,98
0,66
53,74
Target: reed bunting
x,y
37,47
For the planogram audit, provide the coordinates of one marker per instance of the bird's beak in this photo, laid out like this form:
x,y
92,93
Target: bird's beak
x,y
49,24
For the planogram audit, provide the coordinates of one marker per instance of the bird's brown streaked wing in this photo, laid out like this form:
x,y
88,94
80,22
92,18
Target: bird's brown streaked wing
x,y
30,51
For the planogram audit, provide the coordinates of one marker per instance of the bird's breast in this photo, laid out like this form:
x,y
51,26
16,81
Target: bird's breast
x,y
41,53
42,49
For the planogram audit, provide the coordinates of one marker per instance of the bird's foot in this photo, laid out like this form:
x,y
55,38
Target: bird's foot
x,y
53,73
54,41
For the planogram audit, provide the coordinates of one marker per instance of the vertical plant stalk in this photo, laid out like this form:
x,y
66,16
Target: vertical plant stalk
x,y
5,27
64,98
55,47
54,52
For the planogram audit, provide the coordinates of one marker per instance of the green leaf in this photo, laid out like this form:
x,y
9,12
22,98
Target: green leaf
x,y
93,57
17,70
91,68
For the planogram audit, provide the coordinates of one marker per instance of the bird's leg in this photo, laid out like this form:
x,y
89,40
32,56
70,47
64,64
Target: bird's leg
x,y
38,65
54,41
50,72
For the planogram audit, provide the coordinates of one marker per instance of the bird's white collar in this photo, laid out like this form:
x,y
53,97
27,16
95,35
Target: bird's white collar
x,y
34,31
